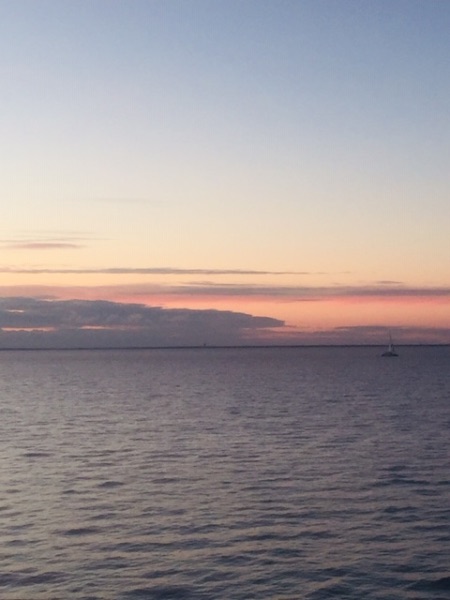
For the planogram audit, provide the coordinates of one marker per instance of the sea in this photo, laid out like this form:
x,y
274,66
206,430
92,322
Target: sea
x,y
225,474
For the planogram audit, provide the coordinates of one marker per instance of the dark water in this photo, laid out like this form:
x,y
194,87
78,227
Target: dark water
x,y
225,474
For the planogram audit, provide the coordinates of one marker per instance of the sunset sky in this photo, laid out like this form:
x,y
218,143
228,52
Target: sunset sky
x,y
179,172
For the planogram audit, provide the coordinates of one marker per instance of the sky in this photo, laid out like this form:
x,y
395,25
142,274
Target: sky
x,y
190,172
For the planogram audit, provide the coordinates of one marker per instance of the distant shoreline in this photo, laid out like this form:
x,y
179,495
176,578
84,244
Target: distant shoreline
x,y
218,347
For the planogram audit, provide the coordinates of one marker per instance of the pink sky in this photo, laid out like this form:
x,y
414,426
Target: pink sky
x,y
286,161
358,315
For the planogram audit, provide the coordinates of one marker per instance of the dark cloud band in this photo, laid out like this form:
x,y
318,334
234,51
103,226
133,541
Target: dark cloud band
x,y
33,322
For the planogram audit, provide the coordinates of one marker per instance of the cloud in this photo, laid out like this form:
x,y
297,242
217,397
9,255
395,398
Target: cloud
x,y
376,335
124,200
304,292
33,322
44,245
214,288
194,292
27,322
144,271
46,241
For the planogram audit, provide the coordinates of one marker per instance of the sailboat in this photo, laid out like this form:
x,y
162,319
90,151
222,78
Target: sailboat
x,y
390,352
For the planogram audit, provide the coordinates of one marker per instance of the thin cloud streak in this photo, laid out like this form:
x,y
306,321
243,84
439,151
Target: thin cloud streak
x,y
146,271
124,200
46,241
45,246
305,292
220,290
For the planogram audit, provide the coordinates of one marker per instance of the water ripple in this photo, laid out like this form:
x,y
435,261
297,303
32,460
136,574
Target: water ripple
x,y
233,474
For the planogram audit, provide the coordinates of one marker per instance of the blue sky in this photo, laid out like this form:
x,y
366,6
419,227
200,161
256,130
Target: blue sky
x,y
304,140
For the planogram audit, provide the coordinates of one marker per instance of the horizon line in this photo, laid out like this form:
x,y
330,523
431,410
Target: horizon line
x,y
221,347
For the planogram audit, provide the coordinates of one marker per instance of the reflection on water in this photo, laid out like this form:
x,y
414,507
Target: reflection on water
x,y
239,473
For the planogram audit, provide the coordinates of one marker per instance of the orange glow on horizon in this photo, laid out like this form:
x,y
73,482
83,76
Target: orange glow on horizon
x,y
319,313
301,315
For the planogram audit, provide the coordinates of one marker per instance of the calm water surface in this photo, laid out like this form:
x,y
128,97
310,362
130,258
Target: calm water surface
x,y
225,474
